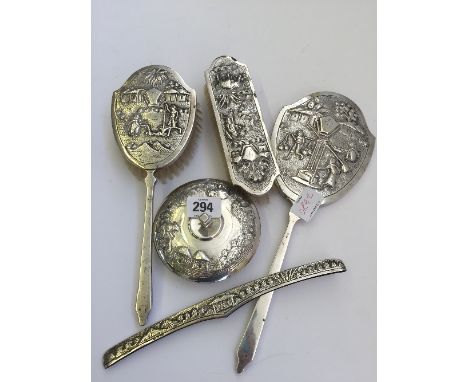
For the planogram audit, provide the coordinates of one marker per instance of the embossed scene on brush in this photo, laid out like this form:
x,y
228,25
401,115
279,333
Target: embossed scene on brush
x,y
153,115
152,118
243,133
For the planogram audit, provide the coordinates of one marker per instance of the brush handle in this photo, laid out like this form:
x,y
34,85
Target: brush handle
x,y
144,295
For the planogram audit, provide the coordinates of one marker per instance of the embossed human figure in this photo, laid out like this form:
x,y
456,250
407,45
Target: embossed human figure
x,y
136,126
334,171
173,118
324,128
168,231
230,127
298,142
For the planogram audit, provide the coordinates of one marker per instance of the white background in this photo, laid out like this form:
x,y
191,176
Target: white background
x,y
45,286
322,330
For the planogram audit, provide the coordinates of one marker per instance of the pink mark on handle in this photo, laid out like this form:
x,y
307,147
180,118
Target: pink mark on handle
x,y
305,202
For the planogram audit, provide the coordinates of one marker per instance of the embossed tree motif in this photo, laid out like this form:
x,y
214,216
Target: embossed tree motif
x,y
345,110
156,76
315,107
167,232
228,83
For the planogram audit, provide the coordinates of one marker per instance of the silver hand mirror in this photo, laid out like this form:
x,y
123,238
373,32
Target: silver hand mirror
x,y
321,142
206,248
152,117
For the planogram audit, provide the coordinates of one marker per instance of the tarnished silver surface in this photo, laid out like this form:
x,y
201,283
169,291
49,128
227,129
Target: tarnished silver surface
x,y
207,252
152,117
153,114
321,141
242,130
219,306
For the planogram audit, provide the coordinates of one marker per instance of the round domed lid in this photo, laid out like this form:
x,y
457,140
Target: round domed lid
x,y
206,248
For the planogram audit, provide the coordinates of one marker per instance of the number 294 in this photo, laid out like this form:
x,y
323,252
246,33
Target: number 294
x,y
202,206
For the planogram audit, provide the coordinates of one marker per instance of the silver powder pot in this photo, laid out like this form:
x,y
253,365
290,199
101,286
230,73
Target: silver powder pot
x,y
206,248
